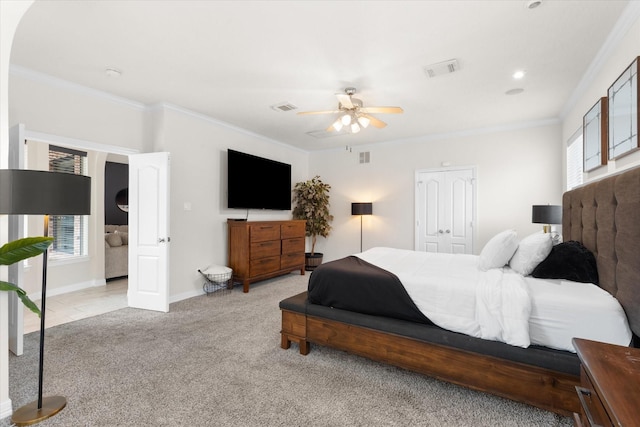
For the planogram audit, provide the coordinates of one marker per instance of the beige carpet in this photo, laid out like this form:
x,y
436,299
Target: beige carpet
x,y
216,361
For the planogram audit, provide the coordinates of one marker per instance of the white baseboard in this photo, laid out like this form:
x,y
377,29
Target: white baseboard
x,y
70,288
185,295
6,409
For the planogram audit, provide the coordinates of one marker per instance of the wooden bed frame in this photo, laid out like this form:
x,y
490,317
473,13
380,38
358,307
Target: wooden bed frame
x,y
602,215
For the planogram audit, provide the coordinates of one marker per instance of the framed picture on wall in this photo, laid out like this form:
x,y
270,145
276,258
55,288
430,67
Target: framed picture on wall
x,y
624,113
594,131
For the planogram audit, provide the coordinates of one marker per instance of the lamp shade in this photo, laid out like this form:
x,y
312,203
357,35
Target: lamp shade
x,y
30,192
362,208
546,214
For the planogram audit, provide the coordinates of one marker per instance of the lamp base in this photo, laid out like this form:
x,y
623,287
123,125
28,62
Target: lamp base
x,y
30,414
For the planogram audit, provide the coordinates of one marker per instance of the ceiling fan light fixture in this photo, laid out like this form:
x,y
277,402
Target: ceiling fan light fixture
x,y
346,119
337,125
355,128
364,121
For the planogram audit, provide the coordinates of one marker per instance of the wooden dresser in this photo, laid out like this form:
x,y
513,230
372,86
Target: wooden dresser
x,y
610,384
260,250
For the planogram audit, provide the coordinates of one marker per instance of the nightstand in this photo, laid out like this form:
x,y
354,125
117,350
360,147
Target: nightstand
x,y
610,384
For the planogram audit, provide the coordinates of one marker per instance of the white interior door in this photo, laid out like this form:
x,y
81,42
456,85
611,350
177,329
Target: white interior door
x,y
445,211
16,231
149,231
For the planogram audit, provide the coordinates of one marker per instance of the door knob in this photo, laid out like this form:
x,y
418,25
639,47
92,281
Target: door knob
x,y
440,231
448,231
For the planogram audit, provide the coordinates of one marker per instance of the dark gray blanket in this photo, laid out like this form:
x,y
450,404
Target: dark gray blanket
x,y
353,284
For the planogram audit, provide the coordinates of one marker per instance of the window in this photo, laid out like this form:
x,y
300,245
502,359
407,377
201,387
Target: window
x,y
69,232
574,160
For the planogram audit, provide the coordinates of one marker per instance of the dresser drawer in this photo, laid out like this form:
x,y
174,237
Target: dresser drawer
x,y
265,249
291,260
292,229
592,412
293,245
262,232
264,265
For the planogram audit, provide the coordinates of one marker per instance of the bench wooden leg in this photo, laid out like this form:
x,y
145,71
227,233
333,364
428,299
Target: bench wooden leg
x,y
305,347
285,342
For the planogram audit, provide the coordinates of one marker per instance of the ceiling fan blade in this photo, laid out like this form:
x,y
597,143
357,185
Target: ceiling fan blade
x,y
382,110
302,113
375,122
345,100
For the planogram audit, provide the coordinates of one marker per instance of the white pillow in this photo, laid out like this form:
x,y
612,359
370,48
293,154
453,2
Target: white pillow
x,y
532,250
499,250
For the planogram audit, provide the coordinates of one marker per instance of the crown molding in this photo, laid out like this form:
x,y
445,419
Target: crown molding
x,y
220,123
627,19
457,134
49,80
36,76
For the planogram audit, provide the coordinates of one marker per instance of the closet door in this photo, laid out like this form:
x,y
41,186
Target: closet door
x,y
445,211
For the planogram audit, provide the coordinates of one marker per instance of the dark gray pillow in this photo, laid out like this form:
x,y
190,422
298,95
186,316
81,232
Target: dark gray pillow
x,y
570,261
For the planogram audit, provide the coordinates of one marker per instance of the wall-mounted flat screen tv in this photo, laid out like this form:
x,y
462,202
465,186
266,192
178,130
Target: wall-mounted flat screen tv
x,y
257,183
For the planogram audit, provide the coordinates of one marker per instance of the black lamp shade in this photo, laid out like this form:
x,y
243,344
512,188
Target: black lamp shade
x,y
362,208
30,192
546,214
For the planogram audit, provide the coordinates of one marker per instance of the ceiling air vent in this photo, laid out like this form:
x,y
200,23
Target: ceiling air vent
x,y
446,67
323,134
283,107
365,157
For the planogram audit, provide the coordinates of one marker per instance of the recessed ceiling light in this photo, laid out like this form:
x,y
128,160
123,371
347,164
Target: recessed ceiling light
x,y
113,72
514,91
519,74
532,4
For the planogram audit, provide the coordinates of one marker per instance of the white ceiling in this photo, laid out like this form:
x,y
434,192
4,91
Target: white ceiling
x,y
232,60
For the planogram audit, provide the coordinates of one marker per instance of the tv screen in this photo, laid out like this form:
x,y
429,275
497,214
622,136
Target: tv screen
x,y
257,183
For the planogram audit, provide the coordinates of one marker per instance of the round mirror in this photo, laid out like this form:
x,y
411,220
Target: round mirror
x,y
122,200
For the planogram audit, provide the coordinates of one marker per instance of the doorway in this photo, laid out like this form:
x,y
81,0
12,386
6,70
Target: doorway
x,y
445,210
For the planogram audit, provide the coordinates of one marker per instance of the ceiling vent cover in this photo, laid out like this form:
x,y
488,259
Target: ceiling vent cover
x,y
283,107
323,134
446,67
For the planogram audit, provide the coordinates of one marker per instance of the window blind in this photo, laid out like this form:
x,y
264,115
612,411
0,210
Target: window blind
x,y
575,160
69,232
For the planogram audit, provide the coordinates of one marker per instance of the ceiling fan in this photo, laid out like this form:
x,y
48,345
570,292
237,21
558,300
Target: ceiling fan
x,y
353,116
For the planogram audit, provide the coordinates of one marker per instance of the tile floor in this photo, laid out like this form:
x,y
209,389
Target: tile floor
x,y
79,305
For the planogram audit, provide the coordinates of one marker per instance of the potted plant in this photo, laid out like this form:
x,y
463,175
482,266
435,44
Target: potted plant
x,y
312,204
19,250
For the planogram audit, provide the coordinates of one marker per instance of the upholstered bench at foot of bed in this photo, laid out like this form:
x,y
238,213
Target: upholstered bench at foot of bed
x,y
294,322
541,377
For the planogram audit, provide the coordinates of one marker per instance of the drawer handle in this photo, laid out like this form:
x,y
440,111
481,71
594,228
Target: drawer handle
x,y
582,392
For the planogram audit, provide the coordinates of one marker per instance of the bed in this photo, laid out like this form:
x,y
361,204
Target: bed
x,y
601,217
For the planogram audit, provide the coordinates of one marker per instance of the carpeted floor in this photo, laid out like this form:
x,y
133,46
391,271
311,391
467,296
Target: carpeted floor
x,y
216,361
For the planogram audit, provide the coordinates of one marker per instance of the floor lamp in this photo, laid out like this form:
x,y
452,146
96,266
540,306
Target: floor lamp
x,y
29,192
361,209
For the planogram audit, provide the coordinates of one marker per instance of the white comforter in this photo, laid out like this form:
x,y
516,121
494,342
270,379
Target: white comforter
x,y
455,295
502,305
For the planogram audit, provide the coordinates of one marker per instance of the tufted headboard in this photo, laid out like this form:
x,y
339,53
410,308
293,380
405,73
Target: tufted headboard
x,y
605,217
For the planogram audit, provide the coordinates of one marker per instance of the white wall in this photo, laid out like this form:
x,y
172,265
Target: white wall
x,y
10,15
516,169
625,41
198,147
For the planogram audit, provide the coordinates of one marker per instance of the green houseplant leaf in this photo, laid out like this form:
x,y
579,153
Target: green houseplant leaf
x,y
19,250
